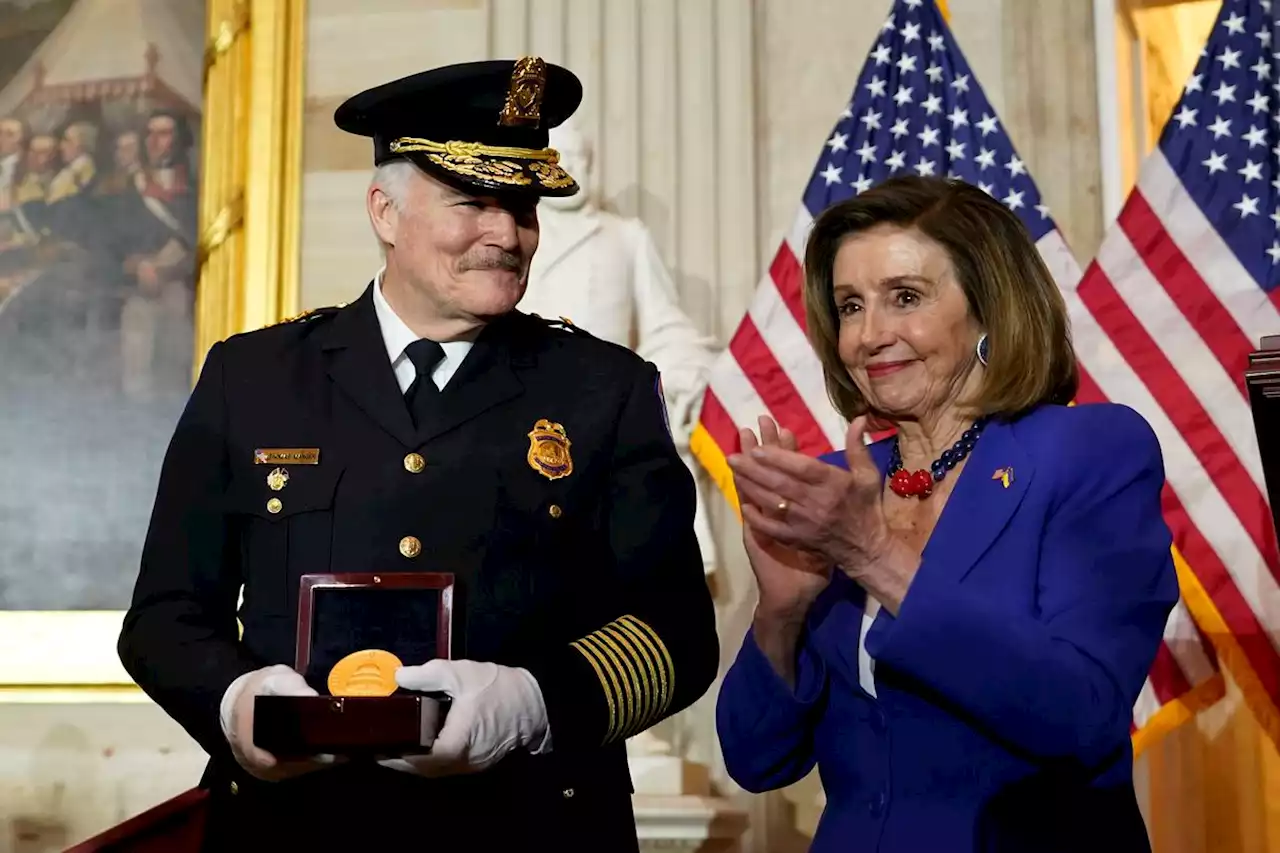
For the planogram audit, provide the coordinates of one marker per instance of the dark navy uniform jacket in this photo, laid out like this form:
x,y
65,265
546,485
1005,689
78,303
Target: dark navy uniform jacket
x,y
592,581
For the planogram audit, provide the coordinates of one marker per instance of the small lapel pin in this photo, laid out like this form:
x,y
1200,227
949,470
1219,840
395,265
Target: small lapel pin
x,y
1004,475
277,479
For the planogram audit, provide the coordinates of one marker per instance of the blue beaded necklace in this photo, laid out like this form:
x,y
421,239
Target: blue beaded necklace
x,y
920,483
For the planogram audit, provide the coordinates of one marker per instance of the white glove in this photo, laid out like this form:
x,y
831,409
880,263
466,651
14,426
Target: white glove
x,y
495,709
236,716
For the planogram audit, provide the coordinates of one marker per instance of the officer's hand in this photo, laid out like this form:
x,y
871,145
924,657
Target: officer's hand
x,y
495,709
237,722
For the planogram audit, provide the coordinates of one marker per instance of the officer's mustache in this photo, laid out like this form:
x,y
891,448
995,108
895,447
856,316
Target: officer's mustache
x,y
495,261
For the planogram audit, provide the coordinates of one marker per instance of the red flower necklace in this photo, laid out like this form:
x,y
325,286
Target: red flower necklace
x,y
920,483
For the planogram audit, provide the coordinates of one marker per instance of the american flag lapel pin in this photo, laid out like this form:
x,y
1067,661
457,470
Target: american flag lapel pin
x,y
1004,475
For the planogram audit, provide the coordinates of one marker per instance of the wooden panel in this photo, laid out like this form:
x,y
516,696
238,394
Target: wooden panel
x,y
1128,97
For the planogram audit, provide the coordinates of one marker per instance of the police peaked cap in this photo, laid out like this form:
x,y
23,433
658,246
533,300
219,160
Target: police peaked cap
x,y
484,125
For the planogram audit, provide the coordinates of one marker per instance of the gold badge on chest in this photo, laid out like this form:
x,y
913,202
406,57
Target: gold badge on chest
x,y
549,450
277,478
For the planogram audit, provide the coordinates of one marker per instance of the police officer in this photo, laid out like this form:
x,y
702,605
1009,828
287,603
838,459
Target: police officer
x,y
431,426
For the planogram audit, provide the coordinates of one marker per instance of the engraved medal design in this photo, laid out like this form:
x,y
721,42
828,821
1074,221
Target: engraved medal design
x,y
371,672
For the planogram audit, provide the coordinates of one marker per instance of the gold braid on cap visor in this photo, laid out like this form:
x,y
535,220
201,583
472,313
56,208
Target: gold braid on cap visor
x,y
516,167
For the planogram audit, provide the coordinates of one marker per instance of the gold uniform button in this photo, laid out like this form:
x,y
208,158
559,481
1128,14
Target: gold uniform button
x,y
414,463
410,546
235,789
555,511
274,506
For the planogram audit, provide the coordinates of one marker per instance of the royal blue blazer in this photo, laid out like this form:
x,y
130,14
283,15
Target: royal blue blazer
x,y
1006,683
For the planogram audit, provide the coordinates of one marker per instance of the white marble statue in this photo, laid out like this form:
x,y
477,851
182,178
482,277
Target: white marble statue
x,y
603,273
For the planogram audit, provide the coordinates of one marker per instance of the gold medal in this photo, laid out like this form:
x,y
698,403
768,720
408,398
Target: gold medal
x,y
371,672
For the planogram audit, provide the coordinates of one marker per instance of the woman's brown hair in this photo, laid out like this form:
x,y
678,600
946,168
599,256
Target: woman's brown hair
x,y
1008,287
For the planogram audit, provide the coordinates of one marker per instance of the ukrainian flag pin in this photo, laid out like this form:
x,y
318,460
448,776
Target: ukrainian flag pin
x,y
1004,475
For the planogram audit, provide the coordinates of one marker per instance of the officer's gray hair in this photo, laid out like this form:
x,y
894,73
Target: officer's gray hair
x,y
393,178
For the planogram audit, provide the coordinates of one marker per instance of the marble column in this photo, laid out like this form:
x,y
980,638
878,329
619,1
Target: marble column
x,y
1049,71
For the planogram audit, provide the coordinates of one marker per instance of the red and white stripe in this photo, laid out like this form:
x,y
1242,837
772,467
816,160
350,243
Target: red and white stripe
x,y
1163,321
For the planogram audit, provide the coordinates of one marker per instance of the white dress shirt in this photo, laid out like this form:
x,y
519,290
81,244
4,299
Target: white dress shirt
x,y
867,664
397,336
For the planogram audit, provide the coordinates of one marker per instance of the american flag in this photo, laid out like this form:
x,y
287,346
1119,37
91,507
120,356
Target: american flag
x,y
916,109
1184,286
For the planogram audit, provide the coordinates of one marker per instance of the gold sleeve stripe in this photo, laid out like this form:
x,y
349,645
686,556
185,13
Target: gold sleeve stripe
x,y
633,622
610,692
662,674
642,670
623,695
636,694
652,664
667,669
635,671
625,690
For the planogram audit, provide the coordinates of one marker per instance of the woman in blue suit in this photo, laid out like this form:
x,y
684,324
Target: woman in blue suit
x,y
954,623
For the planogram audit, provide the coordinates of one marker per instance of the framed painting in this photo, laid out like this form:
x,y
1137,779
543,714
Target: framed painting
x,y
137,146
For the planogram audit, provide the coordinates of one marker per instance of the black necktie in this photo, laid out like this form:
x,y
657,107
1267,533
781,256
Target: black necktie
x,y
422,393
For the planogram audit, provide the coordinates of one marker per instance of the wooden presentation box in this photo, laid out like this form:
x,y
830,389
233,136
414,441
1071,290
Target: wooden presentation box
x,y
407,614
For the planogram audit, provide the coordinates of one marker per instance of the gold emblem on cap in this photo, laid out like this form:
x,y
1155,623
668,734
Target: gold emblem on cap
x,y
524,94
277,478
549,450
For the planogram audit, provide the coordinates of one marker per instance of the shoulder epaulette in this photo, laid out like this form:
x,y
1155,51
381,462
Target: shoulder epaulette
x,y
308,315
562,323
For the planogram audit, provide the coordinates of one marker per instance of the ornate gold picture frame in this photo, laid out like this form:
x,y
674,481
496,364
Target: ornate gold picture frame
x,y
247,277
